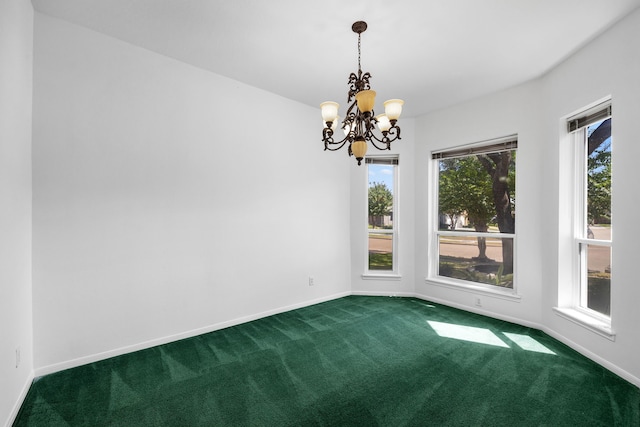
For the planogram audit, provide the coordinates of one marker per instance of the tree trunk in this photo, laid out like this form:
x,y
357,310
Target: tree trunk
x,y
507,256
482,242
482,248
497,165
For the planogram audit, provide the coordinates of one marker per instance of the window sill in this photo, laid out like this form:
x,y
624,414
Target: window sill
x,y
509,294
592,323
381,276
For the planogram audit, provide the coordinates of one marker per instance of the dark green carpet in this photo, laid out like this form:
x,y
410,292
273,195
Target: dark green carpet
x,y
370,361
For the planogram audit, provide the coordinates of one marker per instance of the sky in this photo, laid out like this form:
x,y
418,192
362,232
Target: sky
x,y
381,173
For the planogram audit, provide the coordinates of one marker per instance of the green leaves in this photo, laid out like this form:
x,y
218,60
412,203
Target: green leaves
x,y
380,201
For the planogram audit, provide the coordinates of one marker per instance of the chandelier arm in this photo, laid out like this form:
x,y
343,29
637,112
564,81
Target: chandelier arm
x,y
342,143
327,138
391,135
387,146
394,133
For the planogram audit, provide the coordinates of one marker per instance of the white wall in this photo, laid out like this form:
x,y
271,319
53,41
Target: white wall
x,y
16,59
610,65
166,201
513,111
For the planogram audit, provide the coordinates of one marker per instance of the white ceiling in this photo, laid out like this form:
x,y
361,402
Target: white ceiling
x,y
430,53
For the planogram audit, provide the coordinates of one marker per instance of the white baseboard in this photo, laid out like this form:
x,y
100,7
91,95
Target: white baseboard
x,y
478,310
50,369
599,360
383,294
188,334
585,352
23,394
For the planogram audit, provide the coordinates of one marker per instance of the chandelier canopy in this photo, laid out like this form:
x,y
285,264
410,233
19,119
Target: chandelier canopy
x,y
360,120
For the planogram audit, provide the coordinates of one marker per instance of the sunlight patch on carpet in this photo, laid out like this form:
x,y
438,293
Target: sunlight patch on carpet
x,y
525,342
466,333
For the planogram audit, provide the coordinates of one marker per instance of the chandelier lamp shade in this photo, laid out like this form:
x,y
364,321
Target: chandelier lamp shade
x,y
360,120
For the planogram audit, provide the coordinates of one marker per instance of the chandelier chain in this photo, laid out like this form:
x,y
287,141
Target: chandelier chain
x,y
359,67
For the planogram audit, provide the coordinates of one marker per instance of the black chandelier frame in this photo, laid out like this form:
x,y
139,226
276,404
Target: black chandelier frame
x,y
359,126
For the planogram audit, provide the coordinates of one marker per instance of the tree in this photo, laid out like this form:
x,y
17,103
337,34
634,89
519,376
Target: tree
x,y
380,202
599,174
449,203
500,168
483,187
465,187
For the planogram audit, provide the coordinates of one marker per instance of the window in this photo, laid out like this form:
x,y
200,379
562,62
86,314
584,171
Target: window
x,y
591,132
475,236
382,236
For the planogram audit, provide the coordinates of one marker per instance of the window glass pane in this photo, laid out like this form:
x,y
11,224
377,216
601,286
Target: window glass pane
x,y
477,193
599,278
381,204
477,259
380,251
381,196
599,180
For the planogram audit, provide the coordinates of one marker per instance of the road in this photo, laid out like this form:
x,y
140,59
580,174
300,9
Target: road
x,y
599,258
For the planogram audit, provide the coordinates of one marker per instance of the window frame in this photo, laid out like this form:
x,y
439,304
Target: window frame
x,y
572,281
579,140
498,144
393,274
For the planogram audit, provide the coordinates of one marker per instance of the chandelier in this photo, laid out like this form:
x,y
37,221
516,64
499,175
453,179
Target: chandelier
x,y
359,123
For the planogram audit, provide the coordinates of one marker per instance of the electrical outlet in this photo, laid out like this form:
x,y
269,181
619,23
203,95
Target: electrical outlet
x,y
478,302
17,357
311,281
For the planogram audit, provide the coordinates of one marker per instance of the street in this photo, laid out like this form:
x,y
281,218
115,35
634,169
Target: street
x,y
598,259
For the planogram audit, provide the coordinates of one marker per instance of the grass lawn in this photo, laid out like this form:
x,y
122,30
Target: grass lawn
x,y
380,261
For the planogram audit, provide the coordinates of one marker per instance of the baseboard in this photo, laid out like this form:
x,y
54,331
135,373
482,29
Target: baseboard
x,y
188,334
23,394
478,310
383,294
585,352
590,355
50,369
